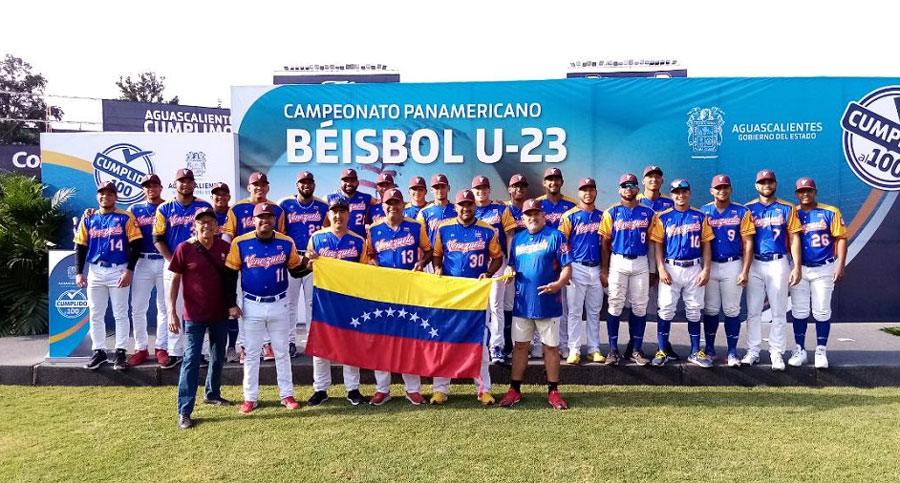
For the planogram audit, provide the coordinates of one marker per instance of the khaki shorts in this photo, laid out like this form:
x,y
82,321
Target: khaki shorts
x,y
523,330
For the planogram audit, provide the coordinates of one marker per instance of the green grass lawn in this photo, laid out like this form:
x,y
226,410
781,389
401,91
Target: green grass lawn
x,y
620,433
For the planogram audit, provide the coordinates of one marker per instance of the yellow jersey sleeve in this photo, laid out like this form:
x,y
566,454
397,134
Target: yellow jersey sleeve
x,y
424,243
233,260
656,230
606,225
706,233
747,226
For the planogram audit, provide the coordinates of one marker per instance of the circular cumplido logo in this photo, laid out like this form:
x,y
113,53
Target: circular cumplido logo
x,y
71,304
872,138
124,164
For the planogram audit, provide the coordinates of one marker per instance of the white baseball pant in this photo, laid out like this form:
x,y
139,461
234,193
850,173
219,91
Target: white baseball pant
x,y
496,306
722,291
815,288
300,292
102,290
584,291
629,278
322,375
483,382
684,285
266,320
767,278
147,275
175,340
412,382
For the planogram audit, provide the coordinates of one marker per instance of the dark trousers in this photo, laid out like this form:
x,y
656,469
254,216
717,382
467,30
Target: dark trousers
x,y
190,366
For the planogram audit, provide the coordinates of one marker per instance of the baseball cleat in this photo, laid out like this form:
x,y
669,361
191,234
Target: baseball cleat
x,y
247,407
711,355
612,359
98,359
138,358
596,356
750,358
231,355
777,361
574,359
290,403
699,358
317,398
171,362
821,358
268,354
438,399
639,358
161,356
356,398
415,398
120,364
556,400
733,360
486,399
798,357
659,359
511,398
379,398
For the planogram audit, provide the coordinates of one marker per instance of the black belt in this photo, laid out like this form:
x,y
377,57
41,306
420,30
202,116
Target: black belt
x,y
108,265
726,260
589,264
769,258
683,263
265,300
819,264
151,256
629,257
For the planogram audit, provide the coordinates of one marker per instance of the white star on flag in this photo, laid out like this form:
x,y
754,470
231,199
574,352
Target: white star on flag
x,y
414,317
402,313
366,316
424,324
377,312
389,312
433,332
354,322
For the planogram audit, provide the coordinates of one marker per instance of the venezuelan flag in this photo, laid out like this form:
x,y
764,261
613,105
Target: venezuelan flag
x,y
397,320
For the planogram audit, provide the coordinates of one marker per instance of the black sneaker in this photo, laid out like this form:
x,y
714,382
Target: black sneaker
x,y
204,362
98,359
217,401
171,362
671,352
185,422
317,398
356,398
120,364
292,350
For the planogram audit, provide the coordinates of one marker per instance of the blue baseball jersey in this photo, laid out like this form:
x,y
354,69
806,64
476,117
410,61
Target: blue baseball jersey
x,y
240,218
773,222
467,249
660,204
682,233
433,215
412,211
728,227
516,215
263,264
301,220
176,221
821,226
397,248
582,230
538,259
627,228
553,212
496,215
145,217
107,236
360,204
350,247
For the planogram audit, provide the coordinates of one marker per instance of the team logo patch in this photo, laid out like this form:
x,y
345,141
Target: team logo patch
x,y
124,164
705,131
872,138
71,304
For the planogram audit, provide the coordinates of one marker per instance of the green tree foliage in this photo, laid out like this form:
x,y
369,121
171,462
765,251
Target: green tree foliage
x,y
23,112
148,87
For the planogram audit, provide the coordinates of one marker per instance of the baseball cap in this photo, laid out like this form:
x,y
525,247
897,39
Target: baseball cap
x,y
719,180
417,182
627,178
107,185
517,179
184,173
338,203
481,181
204,211
587,183
439,179
305,176
806,183
392,194
258,177
220,186
551,172
349,173
765,174
653,169
679,184
150,178
263,209
385,177
531,205
465,196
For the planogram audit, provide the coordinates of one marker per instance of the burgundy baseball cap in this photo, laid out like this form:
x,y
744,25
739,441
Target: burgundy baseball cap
x,y
439,179
481,181
552,172
205,211
532,205
349,173
465,196
653,169
627,178
150,178
385,177
220,186
392,194
184,173
806,183
417,182
305,176
517,179
765,174
263,209
719,180
258,177
587,183
107,185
